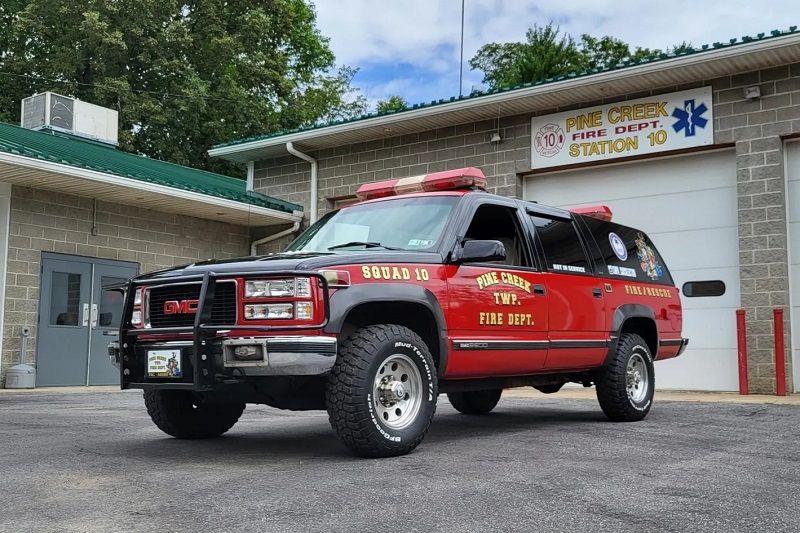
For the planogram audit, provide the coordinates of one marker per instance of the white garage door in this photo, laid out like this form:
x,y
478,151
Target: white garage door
x,y
687,205
793,198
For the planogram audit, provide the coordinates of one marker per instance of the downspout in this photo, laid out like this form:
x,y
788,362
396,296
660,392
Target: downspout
x,y
254,245
291,149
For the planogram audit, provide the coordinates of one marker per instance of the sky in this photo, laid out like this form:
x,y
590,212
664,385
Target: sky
x,y
411,47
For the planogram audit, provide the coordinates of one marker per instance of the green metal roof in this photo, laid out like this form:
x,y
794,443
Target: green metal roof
x,y
477,95
66,149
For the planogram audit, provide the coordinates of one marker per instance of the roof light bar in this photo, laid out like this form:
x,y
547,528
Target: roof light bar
x,y
447,180
600,212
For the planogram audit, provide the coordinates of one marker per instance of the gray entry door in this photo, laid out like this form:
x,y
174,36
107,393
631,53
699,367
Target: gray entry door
x,y
77,319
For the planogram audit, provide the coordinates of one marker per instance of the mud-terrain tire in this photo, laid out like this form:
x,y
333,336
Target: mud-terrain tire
x,y
478,402
190,415
625,385
376,366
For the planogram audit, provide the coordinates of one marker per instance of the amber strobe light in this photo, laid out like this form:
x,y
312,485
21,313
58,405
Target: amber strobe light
x,y
460,178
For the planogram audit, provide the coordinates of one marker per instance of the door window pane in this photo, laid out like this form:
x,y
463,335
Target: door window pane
x,y
110,302
562,247
65,299
500,223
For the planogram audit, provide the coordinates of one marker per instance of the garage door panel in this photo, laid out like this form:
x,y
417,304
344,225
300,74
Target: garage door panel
x,y
687,205
710,328
618,182
730,276
689,210
716,248
699,370
793,191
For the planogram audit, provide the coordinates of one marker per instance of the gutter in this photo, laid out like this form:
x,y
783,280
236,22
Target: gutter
x,y
313,199
269,238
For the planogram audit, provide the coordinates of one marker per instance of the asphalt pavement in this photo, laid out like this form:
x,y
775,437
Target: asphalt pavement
x,y
94,462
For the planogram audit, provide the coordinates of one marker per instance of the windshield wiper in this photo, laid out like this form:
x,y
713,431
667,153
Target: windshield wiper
x,y
365,244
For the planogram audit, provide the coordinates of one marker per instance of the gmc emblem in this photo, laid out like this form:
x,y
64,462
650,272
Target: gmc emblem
x,y
180,307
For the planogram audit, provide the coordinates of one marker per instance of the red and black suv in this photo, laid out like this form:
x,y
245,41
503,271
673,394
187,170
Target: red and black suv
x,y
429,285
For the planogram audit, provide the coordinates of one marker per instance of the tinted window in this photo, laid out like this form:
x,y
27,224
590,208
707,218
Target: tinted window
x,y
627,252
500,223
701,289
562,247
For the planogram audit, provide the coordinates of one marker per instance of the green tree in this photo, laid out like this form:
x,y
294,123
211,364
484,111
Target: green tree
x,y
184,75
547,52
392,104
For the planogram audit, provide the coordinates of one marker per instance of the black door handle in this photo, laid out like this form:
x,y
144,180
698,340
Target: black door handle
x,y
538,289
597,293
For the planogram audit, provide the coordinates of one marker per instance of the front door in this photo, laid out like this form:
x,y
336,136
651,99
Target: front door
x,y
497,311
78,318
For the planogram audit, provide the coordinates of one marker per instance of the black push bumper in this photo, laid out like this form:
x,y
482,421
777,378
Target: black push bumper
x,y
205,349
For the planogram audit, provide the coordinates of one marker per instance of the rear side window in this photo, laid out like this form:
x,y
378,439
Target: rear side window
x,y
628,253
563,251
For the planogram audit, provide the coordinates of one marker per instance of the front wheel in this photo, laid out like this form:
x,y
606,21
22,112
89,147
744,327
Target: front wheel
x,y
191,415
626,384
381,393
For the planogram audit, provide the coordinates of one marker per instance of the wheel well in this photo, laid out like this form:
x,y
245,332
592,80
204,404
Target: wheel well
x,y
415,317
645,328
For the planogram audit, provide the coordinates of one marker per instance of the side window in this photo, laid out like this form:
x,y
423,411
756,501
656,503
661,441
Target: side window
x,y
563,251
500,223
627,252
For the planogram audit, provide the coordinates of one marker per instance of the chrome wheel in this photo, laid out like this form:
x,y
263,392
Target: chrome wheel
x,y
637,382
397,392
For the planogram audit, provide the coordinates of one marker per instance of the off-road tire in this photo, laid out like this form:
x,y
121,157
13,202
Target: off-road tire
x,y
190,415
350,390
611,381
478,402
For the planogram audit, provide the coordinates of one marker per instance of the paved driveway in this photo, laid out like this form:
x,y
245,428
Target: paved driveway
x,y
94,462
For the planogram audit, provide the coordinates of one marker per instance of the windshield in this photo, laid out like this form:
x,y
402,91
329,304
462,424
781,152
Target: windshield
x,y
413,224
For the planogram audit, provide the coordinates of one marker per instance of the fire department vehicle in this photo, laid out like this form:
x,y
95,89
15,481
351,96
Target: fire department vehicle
x,y
428,285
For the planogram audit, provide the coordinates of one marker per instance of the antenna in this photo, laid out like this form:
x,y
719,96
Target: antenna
x,y
461,64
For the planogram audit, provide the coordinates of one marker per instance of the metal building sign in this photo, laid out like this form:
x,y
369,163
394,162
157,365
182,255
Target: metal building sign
x,y
648,125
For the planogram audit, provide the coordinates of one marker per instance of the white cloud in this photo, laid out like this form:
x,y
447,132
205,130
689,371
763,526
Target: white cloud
x,y
425,34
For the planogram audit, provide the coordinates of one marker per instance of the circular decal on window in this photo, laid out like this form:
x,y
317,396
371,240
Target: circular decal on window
x,y
620,250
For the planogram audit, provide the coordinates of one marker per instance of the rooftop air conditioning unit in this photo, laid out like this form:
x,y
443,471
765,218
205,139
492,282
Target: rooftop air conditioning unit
x,y
70,115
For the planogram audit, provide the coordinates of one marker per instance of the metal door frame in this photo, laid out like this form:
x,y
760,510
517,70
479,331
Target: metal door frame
x,y
92,262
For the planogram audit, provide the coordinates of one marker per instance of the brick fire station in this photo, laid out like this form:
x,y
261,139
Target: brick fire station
x,y
700,150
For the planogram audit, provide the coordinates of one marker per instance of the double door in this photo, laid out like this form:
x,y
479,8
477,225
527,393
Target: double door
x,y
78,317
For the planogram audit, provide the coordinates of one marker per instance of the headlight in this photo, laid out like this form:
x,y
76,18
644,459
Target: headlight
x,y
300,287
137,297
136,318
268,311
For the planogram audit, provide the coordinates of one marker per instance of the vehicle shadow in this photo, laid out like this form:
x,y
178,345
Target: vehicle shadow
x,y
305,437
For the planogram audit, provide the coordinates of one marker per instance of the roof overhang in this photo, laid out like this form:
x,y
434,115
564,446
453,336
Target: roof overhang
x,y
707,65
31,172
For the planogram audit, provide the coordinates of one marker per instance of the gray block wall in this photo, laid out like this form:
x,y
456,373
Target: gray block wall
x,y
54,222
757,128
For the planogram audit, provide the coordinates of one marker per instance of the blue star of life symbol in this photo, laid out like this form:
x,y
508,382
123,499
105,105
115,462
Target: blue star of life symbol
x,y
689,118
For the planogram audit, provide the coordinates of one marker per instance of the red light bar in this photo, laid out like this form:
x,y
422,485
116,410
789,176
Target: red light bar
x,y
600,212
447,180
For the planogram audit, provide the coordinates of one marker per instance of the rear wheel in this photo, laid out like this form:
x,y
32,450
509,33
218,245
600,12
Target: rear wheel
x,y
626,384
191,415
475,402
381,393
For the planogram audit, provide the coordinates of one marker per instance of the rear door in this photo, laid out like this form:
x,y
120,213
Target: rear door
x,y
576,297
497,312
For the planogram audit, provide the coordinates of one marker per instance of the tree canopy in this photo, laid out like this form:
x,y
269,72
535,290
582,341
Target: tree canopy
x,y
548,52
392,104
184,75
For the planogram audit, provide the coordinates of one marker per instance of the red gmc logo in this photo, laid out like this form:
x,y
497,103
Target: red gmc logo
x,y
180,307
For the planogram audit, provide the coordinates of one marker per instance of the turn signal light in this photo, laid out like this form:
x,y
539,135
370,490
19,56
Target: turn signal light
x,y
447,180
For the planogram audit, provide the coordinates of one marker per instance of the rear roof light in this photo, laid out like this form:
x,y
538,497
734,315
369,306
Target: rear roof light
x,y
447,180
600,212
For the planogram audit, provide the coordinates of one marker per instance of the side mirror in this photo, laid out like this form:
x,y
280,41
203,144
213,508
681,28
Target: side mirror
x,y
481,251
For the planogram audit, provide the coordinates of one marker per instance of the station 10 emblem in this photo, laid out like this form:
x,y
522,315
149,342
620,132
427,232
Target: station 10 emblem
x,y
549,140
